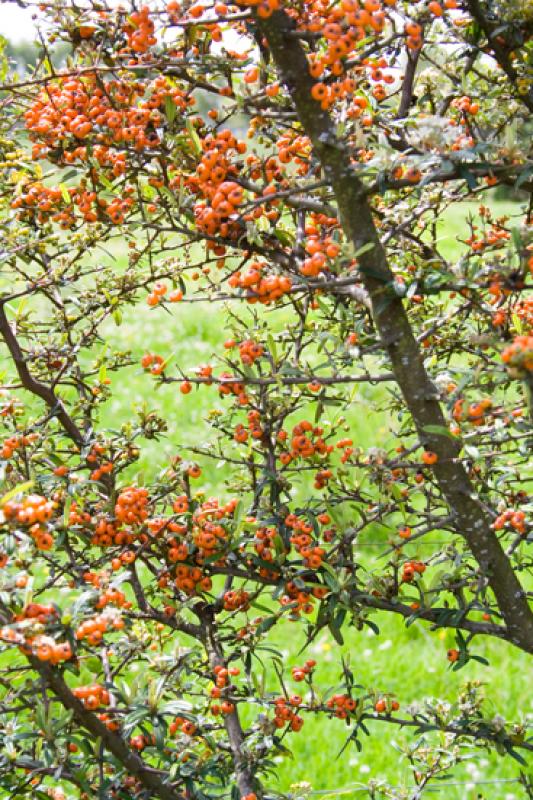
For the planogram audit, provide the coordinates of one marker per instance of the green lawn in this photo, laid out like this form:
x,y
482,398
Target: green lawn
x,y
410,662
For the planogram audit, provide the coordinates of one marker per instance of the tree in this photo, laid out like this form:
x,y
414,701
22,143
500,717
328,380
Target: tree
x,y
319,235
24,56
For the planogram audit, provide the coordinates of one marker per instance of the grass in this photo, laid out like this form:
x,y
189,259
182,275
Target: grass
x,y
408,661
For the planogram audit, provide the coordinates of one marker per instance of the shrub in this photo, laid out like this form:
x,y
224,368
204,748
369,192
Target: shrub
x,y
126,180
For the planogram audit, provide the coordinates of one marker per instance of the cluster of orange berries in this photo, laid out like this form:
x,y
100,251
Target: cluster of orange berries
x,y
207,536
153,363
236,600
13,443
47,649
466,105
32,510
346,445
117,209
106,533
343,26
241,433
312,556
524,311
222,685
495,237
42,647
254,423
72,108
328,94
342,704
191,580
38,612
131,507
112,597
474,413
66,112
159,292
103,469
264,8
265,547
497,289
412,568
79,517
59,205
186,726
42,538
227,387
306,442
302,541
321,253
301,600
413,34
43,200
139,30
250,351
294,147
285,714
516,519
93,696
385,706
213,181
93,629
140,741
260,287
300,673
519,355
96,455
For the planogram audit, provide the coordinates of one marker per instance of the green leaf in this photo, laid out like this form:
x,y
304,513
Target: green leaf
x,y
266,624
19,489
336,624
284,237
65,193
439,430
194,136
470,179
170,109
365,248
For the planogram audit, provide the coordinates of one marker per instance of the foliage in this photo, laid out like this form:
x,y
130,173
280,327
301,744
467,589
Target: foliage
x,y
138,612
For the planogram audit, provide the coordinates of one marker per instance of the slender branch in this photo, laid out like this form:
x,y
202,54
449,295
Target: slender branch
x,y
408,82
34,386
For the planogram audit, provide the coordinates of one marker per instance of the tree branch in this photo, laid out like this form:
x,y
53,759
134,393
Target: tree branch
x,y
396,334
34,386
112,741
